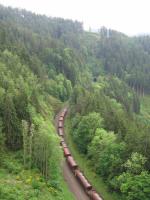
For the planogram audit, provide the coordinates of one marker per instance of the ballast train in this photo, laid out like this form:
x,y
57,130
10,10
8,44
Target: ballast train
x,y
93,195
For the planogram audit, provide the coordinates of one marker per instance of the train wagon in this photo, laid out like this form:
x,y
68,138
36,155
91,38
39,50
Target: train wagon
x,y
60,124
61,140
63,144
84,182
60,131
72,164
94,195
61,118
66,152
63,113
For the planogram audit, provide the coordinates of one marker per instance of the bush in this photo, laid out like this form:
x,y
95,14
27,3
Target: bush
x,y
11,166
36,184
137,187
10,193
86,130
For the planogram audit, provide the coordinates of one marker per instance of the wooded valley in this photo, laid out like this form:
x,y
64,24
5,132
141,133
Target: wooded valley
x,y
105,81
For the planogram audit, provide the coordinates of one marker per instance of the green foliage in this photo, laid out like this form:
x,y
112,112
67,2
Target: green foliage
x,y
135,165
1,138
12,167
118,90
109,152
133,186
27,105
86,130
23,100
100,141
111,160
85,165
41,146
136,187
125,58
60,87
106,154
27,184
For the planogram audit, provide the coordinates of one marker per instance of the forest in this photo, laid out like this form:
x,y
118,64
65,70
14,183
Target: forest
x,y
105,81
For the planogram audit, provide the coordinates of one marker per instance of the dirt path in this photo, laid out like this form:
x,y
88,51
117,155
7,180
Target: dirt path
x,y
73,185
71,180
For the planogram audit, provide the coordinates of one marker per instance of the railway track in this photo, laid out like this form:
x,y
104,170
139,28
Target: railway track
x,y
75,178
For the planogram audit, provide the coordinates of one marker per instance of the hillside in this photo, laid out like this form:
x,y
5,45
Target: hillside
x,y
105,80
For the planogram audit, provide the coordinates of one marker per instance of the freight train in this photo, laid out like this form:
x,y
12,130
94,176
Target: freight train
x,y
93,195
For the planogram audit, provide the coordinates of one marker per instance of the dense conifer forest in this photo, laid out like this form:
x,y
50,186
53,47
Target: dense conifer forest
x,y
105,80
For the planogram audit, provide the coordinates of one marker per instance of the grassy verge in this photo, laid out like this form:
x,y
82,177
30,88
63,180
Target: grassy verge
x,y
84,164
67,195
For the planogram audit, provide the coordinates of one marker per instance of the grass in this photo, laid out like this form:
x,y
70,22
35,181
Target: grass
x,y
16,183
67,194
84,165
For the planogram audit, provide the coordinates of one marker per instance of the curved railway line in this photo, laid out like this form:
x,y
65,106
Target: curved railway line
x,y
72,173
